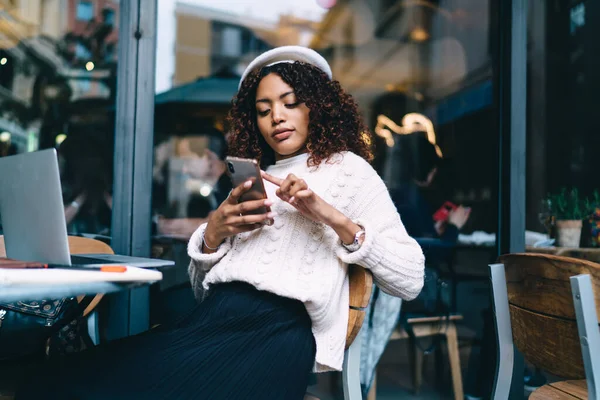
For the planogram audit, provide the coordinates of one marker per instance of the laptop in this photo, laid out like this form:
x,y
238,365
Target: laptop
x,y
33,214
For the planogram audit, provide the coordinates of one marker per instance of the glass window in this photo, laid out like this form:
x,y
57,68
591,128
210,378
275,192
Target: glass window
x,y
564,80
85,10
231,41
57,90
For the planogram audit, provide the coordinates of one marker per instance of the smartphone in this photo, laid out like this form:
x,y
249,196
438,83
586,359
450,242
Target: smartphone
x,y
241,170
443,212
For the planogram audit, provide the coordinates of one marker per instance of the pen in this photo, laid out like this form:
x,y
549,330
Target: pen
x,y
89,267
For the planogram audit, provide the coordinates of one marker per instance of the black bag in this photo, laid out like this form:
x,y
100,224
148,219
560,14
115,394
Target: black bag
x,y
435,297
433,301
25,327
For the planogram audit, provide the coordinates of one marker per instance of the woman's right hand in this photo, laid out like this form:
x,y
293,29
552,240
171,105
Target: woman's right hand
x,y
229,219
459,216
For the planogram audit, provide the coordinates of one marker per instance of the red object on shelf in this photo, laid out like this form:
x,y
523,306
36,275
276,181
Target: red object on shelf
x,y
443,212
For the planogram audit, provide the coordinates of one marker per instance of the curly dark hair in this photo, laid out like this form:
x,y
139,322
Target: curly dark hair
x,y
335,124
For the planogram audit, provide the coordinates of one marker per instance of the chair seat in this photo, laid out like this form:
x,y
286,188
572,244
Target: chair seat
x,y
426,326
570,390
422,319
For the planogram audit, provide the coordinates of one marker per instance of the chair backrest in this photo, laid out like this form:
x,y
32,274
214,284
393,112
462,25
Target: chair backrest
x,y
361,286
590,254
542,312
77,245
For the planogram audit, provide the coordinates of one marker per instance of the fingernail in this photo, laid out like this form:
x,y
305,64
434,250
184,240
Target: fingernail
x,y
292,199
248,184
271,215
268,203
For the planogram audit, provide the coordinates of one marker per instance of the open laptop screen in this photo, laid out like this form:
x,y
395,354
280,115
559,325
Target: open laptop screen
x,y
33,217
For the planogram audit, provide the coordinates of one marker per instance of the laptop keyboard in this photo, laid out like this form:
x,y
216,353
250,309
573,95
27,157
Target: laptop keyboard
x,y
78,260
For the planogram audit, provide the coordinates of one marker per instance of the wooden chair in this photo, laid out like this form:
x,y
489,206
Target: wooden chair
x,y
361,286
546,305
360,293
81,245
433,326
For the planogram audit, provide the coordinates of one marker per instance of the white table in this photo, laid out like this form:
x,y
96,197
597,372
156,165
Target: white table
x,y
33,291
11,293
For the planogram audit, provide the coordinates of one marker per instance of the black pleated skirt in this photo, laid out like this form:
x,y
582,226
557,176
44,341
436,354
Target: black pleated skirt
x,y
239,343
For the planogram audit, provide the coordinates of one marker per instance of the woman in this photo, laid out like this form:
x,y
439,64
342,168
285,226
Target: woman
x,y
418,163
276,304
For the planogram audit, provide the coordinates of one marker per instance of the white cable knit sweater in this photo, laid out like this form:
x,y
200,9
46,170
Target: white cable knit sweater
x,y
305,260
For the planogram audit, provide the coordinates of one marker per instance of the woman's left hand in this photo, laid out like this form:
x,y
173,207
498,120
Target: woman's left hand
x,y
296,192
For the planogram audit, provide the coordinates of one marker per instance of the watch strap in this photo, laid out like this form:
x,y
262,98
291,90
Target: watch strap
x,y
358,240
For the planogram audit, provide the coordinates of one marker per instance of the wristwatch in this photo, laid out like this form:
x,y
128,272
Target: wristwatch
x,y
359,238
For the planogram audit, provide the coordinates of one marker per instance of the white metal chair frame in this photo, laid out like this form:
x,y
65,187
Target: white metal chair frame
x,y
351,370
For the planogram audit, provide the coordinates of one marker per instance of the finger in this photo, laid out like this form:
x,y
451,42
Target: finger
x,y
274,180
297,186
306,194
288,183
251,219
250,205
235,194
246,228
283,196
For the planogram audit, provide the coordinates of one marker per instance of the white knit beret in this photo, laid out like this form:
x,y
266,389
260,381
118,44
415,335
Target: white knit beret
x,y
287,54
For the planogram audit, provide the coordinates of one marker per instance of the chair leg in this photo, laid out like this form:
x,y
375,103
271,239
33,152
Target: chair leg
x,y
351,371
505,349
92,326
454,356
587,326
417,366
440,363
373,392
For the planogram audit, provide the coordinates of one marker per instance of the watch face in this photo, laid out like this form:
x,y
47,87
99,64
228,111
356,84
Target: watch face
x,y
360,237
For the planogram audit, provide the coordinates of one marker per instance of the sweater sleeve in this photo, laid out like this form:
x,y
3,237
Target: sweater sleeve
x,y
395,259
201,262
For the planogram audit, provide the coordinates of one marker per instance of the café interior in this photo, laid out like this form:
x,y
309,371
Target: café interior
x,y
483,109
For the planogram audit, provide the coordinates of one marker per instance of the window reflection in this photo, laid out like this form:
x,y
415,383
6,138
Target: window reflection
x,y
57,89
397,58
85,10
